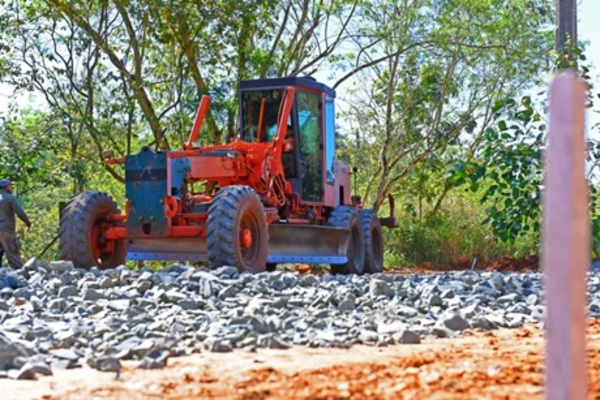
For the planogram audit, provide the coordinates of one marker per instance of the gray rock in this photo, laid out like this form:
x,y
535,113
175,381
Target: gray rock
x,y
143,285
206,288
442,332
175,296
456,323
149,363
31,264
380,288
348,304
408,337
482,323
107,364
66,292
435,300
61,266
105,282
227,272
57,305
368,337
156,358
9,352
221,346
275,342
228,291
64,354
509,298
388,328
36,303
23,292
63,364
187,304
39,367
93,294
26,372
309,280
118,305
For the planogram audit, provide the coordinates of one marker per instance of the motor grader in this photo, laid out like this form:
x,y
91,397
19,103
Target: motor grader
x,y
275,194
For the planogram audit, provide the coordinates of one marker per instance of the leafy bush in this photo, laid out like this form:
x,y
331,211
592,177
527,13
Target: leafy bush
x,y
453,233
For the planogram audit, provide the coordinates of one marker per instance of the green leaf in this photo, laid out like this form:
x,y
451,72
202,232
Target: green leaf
x,y
498,105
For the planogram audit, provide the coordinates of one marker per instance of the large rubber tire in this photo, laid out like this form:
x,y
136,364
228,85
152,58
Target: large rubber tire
x,y
373,236
77,236
236,208
347,217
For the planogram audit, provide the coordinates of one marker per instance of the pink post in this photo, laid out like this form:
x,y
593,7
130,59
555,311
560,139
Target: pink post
x,y
566,242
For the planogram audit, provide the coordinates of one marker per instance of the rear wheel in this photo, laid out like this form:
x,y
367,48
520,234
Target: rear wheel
x,y
237,233
373,236
347,217
81,236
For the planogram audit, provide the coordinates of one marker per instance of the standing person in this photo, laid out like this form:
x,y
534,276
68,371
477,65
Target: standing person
x,y
9,207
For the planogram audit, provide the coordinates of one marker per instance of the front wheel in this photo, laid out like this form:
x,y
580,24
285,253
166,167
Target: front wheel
x,y
81,235
347,217
237,233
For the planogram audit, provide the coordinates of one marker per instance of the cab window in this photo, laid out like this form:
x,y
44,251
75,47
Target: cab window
x,y
260,109
309,127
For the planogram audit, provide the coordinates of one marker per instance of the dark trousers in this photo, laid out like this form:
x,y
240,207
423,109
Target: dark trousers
x,y
9,242
1,254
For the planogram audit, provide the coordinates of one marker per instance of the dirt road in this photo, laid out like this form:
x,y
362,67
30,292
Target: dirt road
x,y
505,364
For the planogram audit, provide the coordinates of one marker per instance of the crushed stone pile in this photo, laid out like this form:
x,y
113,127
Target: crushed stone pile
x,y
53,315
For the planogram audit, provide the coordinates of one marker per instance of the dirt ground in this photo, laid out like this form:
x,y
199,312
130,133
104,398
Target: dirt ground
x,y
503,264
504,364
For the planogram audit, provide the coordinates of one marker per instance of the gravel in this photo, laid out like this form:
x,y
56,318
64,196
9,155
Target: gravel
x,y
53,315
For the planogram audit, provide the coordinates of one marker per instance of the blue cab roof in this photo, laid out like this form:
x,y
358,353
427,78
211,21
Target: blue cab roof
x,y
271,83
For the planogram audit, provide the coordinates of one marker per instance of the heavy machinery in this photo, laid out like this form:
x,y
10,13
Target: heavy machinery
x,y
274,195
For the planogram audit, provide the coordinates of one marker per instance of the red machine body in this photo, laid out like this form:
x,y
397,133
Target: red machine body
x,y
275,194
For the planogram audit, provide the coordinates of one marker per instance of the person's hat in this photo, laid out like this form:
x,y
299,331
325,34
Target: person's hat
x,y
4,183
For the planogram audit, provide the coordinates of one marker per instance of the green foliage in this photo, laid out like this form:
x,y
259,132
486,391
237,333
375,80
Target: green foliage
x,y
431,99
508,169
26,153
43,212
443,237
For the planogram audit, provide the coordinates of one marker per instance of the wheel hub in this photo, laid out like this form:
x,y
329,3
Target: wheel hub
x,y
245,238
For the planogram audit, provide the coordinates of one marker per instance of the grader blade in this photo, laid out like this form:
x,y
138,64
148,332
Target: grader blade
x,y
287,244
164,249
307,244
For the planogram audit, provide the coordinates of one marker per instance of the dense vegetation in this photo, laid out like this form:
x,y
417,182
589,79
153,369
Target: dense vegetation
x,y
430,105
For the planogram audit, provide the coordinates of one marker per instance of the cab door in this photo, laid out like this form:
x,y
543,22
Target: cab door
x,y
310,125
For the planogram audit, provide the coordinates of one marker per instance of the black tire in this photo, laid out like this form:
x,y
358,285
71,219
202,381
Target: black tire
x,y
373,236
347,217
236,208
77,235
